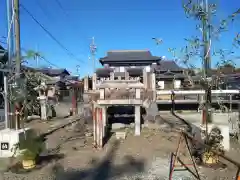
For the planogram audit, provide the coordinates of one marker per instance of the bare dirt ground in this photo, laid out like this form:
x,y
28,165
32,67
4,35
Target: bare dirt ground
x,y
143,157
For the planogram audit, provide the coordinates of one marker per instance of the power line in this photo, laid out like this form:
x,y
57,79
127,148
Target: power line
x,y
61,7
51,35
42,9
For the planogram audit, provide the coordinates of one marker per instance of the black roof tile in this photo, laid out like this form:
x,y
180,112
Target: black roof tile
x,y
167,65
129,56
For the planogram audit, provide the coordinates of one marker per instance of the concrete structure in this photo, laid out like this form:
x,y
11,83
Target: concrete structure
x,y
127,79
130,78
8,139
220,120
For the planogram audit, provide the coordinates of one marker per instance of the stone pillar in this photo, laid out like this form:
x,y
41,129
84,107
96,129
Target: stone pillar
x,y
126,75
104,118
112,76
153,84
102,93
138,93
86,80
94,81
43,104
98,127
137,121
94,114
145,78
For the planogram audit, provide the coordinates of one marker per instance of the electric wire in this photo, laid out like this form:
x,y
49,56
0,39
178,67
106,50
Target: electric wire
x,y
50,34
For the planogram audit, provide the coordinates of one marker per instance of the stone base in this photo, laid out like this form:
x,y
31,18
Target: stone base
x,y
225,133
9,138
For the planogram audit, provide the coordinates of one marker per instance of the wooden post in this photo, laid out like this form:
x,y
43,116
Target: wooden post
x,y
74,101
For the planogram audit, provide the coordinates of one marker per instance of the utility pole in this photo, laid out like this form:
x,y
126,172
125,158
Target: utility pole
x,y
17,55
17,37
93,49
78,70
207,115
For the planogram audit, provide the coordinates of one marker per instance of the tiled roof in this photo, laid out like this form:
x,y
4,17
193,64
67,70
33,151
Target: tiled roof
x,y
53,72
167,65
128,56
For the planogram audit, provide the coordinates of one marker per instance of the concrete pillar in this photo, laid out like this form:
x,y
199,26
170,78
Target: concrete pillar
x,y
104,118
153,84
153,77
112,76
126,75
94,111
145,78
138,93
43,104
94,81
86,80
98,128
102,93
137,121
119,77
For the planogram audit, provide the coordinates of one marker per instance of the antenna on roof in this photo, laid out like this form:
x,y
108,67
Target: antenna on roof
x,y
158,41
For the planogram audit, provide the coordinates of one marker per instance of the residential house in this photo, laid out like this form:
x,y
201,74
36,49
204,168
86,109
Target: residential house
x,y
169,75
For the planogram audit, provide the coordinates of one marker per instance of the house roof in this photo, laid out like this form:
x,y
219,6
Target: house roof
x,y
47,71
168,65
126,57
53,72
104,72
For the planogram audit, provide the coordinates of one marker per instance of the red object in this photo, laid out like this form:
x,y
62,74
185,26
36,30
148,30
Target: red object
x,y
74,101
204,116
100,113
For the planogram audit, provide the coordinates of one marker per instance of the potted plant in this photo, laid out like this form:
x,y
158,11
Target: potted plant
x,y
28,150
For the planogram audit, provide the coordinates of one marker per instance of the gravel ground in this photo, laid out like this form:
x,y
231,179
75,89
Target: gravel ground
x,y
135,158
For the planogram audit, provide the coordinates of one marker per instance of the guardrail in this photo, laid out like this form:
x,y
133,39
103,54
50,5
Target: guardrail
x,y
195,92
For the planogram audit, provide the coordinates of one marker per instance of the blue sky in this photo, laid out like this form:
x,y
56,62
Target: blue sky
x,y
125,24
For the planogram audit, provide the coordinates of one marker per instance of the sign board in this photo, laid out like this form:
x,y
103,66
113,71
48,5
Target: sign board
x,y
4,146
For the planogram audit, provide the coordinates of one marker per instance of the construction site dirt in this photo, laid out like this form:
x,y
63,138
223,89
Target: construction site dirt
x,y
136,157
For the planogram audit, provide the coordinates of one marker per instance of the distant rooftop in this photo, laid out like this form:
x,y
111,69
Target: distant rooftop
x,y
48,71
129,57
168,65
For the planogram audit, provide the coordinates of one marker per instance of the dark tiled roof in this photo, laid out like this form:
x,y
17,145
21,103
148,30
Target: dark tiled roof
x,y
53,72
104,72
47,71
138,71
165,65
129,56
168,76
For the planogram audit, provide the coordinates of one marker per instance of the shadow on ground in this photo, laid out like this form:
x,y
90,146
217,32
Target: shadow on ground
x,y
103,170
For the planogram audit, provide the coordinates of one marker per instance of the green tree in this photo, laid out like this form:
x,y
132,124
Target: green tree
x,y
204,14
